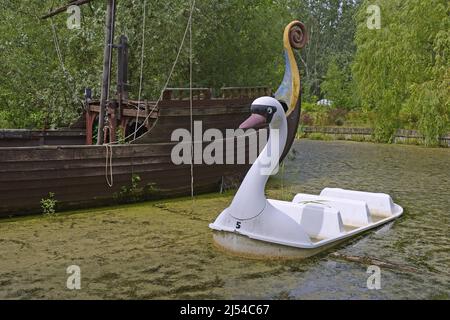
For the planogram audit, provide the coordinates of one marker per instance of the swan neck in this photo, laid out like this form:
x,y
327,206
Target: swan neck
x,y
250,199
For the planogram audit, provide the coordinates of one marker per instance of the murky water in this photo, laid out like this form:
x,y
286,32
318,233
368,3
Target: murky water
x,y
164,249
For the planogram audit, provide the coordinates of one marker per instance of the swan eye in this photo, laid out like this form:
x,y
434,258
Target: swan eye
x,y
264,110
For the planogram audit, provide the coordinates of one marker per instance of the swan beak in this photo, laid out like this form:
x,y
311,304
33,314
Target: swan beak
x,y
254,121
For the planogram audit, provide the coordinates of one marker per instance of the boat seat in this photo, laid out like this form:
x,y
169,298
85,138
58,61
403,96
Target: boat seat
x,y
379,204
318,221
321,222
354,213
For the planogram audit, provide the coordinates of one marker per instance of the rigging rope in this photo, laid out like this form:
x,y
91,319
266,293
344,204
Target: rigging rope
x,y
57,48
67,76
166,84
109,146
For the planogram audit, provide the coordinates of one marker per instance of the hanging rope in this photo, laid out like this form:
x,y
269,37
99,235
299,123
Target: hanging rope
x,y
109,165
191,102
142,68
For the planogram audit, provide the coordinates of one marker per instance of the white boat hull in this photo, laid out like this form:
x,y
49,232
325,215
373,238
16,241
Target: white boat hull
x,y
306,226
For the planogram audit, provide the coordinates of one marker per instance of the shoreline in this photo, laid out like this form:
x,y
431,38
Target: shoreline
x,y
360,134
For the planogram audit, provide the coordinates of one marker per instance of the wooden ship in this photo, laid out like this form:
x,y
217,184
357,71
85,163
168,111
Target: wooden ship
x,y
65,162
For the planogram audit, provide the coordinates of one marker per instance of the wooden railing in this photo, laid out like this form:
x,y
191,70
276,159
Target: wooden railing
x,y
31,138
184,94
245,92
225,93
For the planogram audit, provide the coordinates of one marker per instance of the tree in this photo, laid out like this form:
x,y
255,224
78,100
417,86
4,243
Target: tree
x,y
401,70
235,43
336,86
331,26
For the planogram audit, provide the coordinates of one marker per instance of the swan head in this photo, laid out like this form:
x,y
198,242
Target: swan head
x,y
265,110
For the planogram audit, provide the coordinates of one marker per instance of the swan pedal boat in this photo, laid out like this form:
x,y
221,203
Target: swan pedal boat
x,y
254,226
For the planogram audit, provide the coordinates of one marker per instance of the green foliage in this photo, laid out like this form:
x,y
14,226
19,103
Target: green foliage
x,y
331,27
309,107
300,133
34,90
402,69
399,75
321,117
134,193
318,115
337,86
358,118
235,43
48,204
121,135
239,42
130,194
135,179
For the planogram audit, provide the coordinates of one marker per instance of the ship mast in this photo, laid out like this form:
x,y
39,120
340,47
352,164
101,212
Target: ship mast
x,y
107,56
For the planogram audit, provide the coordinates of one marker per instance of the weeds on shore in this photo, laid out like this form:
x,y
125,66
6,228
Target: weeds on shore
x,y
320,136
48,204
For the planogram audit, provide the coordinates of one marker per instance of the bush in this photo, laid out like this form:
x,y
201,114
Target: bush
x,y
48,205
306,119
309,107
336,116
325,116
321,118
300,133
359,118
132,193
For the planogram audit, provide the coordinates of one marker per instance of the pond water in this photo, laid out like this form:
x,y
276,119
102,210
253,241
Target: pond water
x,y
164,249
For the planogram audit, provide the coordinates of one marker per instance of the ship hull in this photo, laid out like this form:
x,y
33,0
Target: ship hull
x,y
77,174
